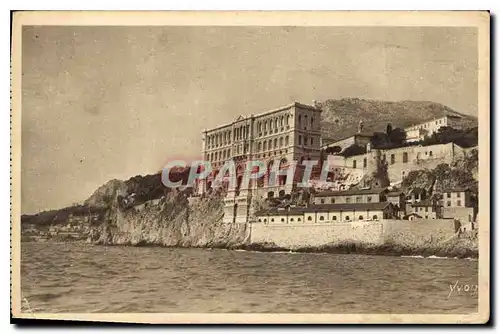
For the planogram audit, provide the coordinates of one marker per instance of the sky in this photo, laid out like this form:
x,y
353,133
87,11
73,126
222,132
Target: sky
x,y
102,103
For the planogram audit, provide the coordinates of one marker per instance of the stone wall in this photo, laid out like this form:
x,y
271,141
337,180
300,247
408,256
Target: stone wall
x,y
419,231
312,235
401,232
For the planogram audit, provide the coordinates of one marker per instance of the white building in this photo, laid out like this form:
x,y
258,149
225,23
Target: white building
x,y
418,132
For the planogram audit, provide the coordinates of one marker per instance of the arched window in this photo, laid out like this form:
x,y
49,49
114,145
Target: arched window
x,y
276,124
333,200
272,219
281,142
265,126
322,201
275,142
365,163
321,218
282,120
309,218
334,218
265,220
270,144
286,141
300,140
360,217
405,157
430,153
291,219
375,217
354,164
300,120
393,159
347,218
305,140
259,147
298,219
265,145
282,220
287,119
259,127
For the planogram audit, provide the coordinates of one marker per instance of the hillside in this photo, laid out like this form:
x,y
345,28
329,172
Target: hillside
x,y
340,118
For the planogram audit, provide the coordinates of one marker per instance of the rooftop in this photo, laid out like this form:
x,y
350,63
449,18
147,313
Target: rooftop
x,y
456,189
324,208
351,191
241,118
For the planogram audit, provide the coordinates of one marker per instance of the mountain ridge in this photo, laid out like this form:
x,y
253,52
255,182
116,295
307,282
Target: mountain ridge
x,y
340,117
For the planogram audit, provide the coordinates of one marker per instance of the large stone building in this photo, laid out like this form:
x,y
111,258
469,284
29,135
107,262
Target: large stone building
x,y
282,135
419,131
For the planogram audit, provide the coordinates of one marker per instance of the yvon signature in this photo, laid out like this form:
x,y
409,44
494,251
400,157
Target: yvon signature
x,y
460,288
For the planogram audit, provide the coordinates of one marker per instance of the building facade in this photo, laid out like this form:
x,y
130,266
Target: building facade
x,y
279,136
418,132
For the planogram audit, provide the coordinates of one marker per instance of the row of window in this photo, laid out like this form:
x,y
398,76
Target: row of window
x,y
309,218
273,125
270,145
306,140
356,199
428,125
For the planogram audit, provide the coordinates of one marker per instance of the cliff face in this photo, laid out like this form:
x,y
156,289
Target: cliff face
x,y
173,221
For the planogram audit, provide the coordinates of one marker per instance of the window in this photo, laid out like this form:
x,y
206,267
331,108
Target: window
x,y
358,199
459,203
360,218
448,195
448,203
300,120
298,219
354,164
305,140
259,147
470,217
312,122
426,209
260,220
282,220
375,217
430,153
393,159
322,201
281,142
348,200
286,141
368,199
347,218
272,219
365,163
335,217
265,145
405,157
300,140
333,200
291,219
275,142
312,141
309,218
321,218
265,220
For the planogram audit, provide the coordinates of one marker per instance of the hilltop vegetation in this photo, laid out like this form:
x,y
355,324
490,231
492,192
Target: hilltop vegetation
x,y
340,118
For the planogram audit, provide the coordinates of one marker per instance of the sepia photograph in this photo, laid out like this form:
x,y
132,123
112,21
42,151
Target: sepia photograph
x,y
251,167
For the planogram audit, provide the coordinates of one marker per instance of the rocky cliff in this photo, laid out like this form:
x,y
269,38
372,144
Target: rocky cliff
x,y
170,221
